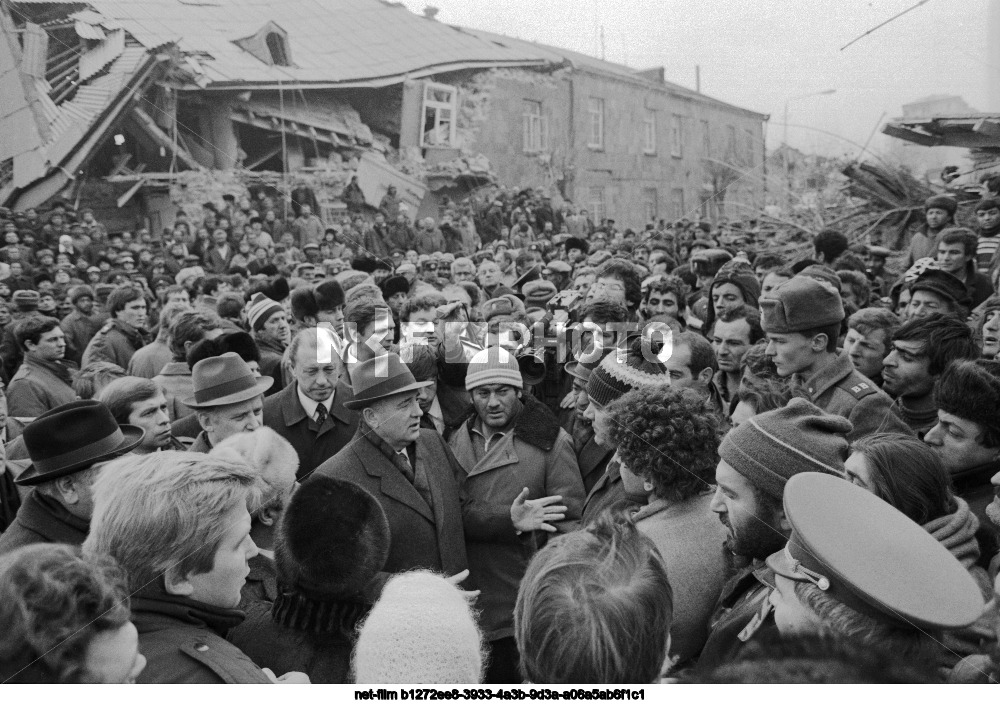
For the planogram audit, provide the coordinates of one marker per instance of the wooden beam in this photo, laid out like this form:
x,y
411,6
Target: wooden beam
x,y
260,160
927,140
988,127
143,120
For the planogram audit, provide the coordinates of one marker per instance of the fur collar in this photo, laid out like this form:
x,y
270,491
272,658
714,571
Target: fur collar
x,y
536,425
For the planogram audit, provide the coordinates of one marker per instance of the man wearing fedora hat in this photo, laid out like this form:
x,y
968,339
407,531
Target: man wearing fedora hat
x,y
228,399
409,470
67,446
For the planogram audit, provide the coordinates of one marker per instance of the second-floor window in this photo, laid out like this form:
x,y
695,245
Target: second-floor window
x,y
676,136
595,108
649,131
536,136
440,103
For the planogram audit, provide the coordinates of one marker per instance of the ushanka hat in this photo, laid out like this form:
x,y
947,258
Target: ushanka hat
x,y
73,437
801,303
624,369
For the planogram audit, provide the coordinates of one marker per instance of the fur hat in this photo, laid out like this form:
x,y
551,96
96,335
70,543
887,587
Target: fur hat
x,y
577,243
332,540
423,630
329,295
801,303
943,202
393,285
271,457
78,292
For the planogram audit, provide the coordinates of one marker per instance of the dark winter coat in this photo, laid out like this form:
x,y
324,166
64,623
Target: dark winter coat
x,y
284,413
536,454
300,634
839,389
422,536
79,330
42,519
271,354
184,642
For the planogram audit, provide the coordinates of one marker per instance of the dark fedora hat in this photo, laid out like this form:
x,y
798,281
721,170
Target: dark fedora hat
x,y
381,377
224,380
73,437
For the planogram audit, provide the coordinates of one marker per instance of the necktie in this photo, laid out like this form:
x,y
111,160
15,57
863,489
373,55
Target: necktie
x,y
321,414
403,462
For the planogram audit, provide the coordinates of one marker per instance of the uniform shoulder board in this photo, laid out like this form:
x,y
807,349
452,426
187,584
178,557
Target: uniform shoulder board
x,y
860,389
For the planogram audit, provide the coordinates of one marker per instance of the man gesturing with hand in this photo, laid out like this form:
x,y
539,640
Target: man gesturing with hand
x,y
521,483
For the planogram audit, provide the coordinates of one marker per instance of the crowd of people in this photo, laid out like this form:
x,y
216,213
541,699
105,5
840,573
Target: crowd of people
x,y
509,445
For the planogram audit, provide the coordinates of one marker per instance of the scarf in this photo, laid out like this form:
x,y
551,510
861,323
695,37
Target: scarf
x,y
957,532
58,367
300,612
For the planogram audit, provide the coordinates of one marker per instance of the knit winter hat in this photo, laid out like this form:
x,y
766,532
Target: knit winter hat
x,y
332,540
493,365
613,378
771,447
259,309
421,631
739,273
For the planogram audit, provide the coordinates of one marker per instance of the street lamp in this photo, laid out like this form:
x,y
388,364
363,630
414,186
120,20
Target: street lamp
x,y
784,140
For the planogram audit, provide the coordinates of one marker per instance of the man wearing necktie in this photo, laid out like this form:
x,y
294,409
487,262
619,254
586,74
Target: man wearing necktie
x,y
310,412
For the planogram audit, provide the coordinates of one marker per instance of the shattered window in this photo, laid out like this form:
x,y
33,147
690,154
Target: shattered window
x,y
276,46
535,127
440,104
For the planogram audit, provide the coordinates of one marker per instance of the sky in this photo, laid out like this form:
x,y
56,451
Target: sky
x,y
762,54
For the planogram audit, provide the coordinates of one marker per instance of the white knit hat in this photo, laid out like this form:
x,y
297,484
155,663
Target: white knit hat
x,y
421,631
494,365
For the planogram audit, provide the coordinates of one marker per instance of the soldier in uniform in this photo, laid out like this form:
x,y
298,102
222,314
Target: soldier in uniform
x,y
757,458
892,584
802,319
120,337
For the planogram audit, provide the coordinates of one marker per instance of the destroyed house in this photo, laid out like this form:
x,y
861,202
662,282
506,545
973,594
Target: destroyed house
x,y
138,106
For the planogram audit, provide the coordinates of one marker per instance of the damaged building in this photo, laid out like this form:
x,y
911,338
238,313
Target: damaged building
x,y
136,107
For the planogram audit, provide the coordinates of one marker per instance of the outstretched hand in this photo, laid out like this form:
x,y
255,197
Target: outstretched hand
x,y
536,514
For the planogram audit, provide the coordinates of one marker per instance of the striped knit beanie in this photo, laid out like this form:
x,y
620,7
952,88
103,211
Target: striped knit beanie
x,y
613,378
770,448
259,309
494,365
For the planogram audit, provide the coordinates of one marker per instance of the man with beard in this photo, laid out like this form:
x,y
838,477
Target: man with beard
x,y
757,458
